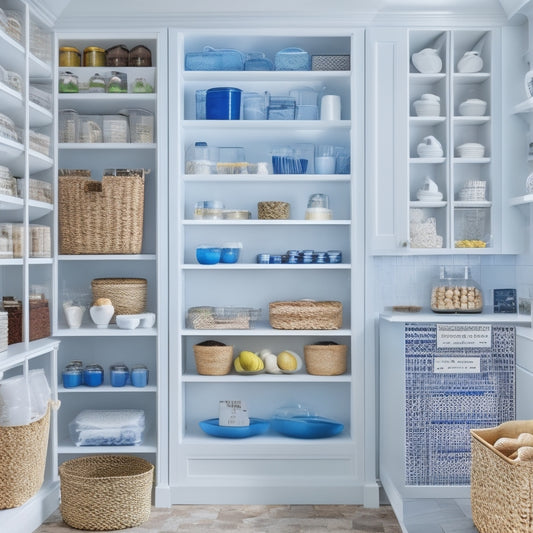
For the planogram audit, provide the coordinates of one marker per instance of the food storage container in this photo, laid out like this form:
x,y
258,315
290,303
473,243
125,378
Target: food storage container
x,y
254,105
90,129
282,108
116,129
119,374
68,82
72,376
117,82
69,57
93,375
292,59
94,56
473,107
230,252
207,317
231,160
273,210
140,56
139,375
223,103
141,85
207,254
97,84
209,210
257,61
456,292
198,160
117,56
141,124
472,227
68,126
214,59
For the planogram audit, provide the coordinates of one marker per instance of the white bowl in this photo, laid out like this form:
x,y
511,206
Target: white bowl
x,y
128,321
471,150
101,315
473,108
427,108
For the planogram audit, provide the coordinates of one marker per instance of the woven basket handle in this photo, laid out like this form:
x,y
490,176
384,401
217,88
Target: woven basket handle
x,y
93,186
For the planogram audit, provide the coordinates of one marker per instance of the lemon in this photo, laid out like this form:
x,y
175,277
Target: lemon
x,y
237,365
250,361
287,361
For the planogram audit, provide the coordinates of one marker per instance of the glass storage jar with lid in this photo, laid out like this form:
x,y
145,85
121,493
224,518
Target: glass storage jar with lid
x,y
94,56
456,292
69,57
97,84
117,56
140,56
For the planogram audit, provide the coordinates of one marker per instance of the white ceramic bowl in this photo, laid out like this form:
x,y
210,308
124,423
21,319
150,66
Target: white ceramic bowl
x,y
101,315
471,150
427,108
473,107
127,321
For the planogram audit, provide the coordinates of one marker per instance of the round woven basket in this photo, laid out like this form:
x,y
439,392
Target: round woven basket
x,y
22,461
325,360
213,360
106,492
273,210
128,295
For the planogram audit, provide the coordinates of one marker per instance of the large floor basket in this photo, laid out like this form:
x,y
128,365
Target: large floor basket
x,y
106,492
101,217
22,461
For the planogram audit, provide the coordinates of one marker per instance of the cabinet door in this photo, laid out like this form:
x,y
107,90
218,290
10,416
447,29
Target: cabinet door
x,y
387,139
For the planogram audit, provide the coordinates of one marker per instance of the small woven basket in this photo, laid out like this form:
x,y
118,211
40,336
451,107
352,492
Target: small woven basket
x,y
325,359
106,492
22,461
304,314
101,217
128,295
273,210
213,360
501,490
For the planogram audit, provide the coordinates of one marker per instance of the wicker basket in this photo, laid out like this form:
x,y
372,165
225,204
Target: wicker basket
x,y
325,359
106,492
22,461
273,210
501,490
304,314
101,217
128,295
213,360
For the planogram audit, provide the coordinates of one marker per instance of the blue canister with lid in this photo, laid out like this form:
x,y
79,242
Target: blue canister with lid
x,y
119,374
93,375
72,376
263,259
139,376
334,256
223,103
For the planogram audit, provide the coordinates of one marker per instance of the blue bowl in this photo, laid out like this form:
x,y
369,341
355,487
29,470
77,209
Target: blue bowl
x,y
223,103
257,427
306,427
208,255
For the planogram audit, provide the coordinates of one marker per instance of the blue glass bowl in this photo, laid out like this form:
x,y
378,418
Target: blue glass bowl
x,y
208,255
257,427
306,427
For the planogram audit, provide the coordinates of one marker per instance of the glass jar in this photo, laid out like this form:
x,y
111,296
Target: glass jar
x,y
97,84
117,82
93,375
119,375
140,56
68,83
139,375
456,292
117,56
69,57
94,56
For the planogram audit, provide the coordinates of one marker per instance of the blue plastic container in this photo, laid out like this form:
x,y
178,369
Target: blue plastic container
x,y
223,103
72,377
119,375
230,252
93,375
139,376
208,255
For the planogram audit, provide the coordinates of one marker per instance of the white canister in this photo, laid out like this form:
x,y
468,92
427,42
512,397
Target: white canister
x,y
330,107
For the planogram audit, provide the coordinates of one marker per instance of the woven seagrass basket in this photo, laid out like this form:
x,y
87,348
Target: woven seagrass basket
x,y
305,314
128,295
106,492
213,360
101,217
22,461
501,490
325,359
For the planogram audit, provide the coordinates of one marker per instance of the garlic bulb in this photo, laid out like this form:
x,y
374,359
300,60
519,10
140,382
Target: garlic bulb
x,y
270,360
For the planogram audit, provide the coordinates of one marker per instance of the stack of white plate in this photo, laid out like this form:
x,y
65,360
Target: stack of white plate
x,y
429,196
471,150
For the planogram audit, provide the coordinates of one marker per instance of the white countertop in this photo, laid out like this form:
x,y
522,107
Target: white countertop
x,y
426,315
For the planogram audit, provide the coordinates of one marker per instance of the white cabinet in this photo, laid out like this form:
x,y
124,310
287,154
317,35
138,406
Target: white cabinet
x,y
75,272
465,215
269,468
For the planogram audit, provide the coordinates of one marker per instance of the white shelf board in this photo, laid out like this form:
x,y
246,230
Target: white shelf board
x,y
107,146
298,377
12,104
263,178
39,162
423,79
16,354
10,150
521,200
10,203
88,330
470,77
11,262
427,315
464,203
421,204
267,331
471,120
39,116
525,106
106,103
255,222
107,257
307,125
11,52
233,76
105,388
38,68
426,160
426,121
468,160
256,266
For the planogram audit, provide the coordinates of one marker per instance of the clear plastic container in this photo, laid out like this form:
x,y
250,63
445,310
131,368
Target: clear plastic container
x,y
116,129
68,83
456,292
97,84
222,317
117,82
90,129
141,125
68,126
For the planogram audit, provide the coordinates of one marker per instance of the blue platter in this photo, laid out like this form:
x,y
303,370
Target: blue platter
x,y
256,427
306,427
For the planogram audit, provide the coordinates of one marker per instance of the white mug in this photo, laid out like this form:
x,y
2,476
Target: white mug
x,y
330,107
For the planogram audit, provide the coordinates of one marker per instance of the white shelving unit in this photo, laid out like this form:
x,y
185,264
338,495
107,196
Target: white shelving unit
x,y
269,468
111,345
454,219
29,56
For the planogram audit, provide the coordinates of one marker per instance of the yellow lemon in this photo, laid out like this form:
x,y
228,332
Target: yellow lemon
x,y
249,361
287,361
237,365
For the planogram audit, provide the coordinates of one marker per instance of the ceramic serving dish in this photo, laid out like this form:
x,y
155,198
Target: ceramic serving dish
x,y
306,427
427,61
473,107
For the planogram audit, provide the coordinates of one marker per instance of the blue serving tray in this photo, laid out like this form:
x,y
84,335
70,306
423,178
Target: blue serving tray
x,y
257,427
306,427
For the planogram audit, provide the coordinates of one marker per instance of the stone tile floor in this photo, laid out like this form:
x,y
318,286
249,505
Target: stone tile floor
x,y
256,519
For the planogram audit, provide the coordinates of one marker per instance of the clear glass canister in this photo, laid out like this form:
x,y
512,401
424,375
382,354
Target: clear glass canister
x,y
69,57
97,84
68,83
94,56
456,292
